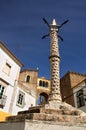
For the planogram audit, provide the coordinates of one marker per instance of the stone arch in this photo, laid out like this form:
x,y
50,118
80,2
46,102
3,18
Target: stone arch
x,y
42,98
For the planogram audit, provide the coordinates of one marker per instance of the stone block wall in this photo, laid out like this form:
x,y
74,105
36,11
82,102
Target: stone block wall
x,y
67,83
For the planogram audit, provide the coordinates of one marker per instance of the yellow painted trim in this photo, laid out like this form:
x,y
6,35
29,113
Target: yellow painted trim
x,y
3,116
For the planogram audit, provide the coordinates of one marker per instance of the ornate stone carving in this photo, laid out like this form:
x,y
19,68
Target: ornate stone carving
x,y
54,62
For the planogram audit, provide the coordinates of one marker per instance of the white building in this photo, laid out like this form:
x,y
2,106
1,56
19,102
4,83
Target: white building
x,y
9,72
13,96
22,98
80,95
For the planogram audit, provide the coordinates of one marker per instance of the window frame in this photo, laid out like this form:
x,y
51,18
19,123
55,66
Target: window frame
x,y
7,68
19,102
43,83
1,95
80,98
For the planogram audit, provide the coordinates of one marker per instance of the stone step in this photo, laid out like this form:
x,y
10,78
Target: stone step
x,y
47,117
35,109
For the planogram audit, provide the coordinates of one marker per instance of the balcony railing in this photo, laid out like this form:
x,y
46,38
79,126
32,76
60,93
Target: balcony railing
x,y
3,101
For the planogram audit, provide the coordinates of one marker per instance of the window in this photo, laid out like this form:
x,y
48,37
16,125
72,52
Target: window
x,y
7,68
46,84
80,98
1,91
21,98
2,97
43,83
28,78
40,83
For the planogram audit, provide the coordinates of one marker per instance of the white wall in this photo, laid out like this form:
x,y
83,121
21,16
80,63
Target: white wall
x,y
10,79
15,68
29,99
12,90
8,93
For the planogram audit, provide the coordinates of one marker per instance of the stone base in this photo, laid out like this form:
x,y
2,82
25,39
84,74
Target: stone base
x,y
40,125
48,117
64,108
53,111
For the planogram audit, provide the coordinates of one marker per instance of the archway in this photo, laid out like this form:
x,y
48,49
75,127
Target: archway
x,y
42,98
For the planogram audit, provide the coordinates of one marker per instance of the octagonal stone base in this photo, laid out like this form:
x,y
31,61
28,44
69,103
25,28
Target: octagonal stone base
x,y
53,111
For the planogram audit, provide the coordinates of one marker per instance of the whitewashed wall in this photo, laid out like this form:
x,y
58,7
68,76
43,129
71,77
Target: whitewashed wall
x,y
29,99
14,74
15,70
12,89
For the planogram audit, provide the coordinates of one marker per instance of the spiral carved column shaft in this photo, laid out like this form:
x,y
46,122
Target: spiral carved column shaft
x,y
54,66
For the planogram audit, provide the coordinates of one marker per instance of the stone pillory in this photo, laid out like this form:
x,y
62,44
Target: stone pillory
x,y
54,110
54,62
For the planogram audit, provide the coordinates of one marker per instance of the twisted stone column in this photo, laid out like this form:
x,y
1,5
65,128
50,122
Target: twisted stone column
x,y
54,63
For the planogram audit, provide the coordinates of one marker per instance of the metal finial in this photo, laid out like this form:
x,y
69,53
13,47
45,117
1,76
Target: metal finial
x,y
54,22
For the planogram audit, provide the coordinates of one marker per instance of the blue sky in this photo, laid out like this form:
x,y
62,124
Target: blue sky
x,y
21,29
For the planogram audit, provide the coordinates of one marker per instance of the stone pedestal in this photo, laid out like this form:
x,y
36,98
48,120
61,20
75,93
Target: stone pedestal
x,y
53,111
40,125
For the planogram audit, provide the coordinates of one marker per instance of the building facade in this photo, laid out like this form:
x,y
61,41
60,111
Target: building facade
x,y
15,96
80,95
28,78
73,89
43,90
39,86
22,99
9,71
